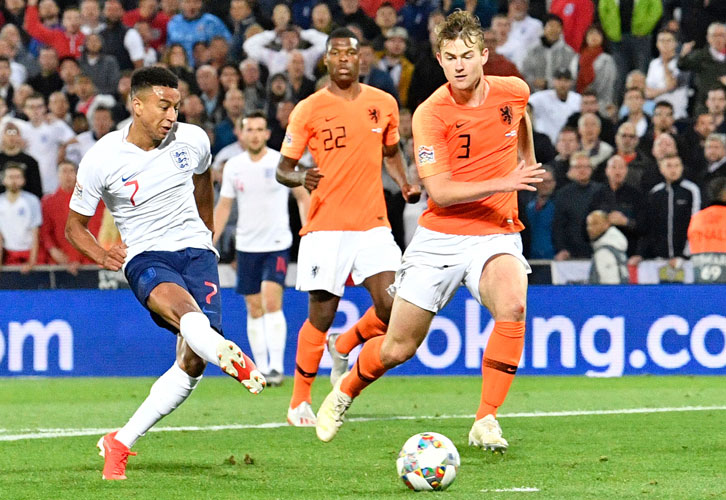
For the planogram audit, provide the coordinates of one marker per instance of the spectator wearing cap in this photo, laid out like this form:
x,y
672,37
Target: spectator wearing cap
x,y
11,153
497,64
547,54
20,219
553,106
351,13
276,61
525,28
577,16
395,63
66,42
192,26
149,12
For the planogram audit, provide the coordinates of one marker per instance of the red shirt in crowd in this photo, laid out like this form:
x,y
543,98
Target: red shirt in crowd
x,y
64,43
158,25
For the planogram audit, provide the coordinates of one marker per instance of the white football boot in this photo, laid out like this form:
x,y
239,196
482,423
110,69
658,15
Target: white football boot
x,y
486,433
302,416
332,412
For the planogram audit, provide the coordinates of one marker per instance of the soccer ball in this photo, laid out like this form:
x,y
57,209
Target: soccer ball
x,y
428,462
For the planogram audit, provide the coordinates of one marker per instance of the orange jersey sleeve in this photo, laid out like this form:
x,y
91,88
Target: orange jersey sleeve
x,y
474,144
346,141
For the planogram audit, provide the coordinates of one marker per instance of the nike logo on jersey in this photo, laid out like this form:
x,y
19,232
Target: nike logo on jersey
x,y
328,118
124,179
512,133
461,123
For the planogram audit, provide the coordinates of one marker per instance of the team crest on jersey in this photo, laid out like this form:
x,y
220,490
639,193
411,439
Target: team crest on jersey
x,y
182,158
374,114
505,114
426,155
288,139
78,191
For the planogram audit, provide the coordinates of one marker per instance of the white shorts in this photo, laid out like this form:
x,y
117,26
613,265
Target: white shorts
x,y
435,264
326,258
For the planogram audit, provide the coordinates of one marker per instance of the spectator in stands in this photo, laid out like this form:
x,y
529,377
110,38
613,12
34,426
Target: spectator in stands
x,y
43,139
663,122
322,19
577,17
230,77
609,260
708,64
240,17
10,33
508,46
191,26
282,118
525,29
642,175
125,44
254,89
567,143
715,153
664,81
91,17
278,90
395,63
621,202
596,69
18,72
716,107
192,111
13,11
708,247
497,64
547,54
148,11
20,95
281,17
227,152
351,13
11,153
539,215
427,72
103,69
664,220
59,107
101,124
628,27
371,74
211,92
572,204
88,96
591,104
200,54
276,61
55,212
234,106
47,81
553,106
633,101
588,127
386,18
6,88
176,60
68,70
20,218
218,52
300,85
66,42
694,140
544,150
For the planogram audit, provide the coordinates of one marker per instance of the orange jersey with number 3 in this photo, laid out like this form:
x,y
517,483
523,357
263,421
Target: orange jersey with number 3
x,y
474,144
346,140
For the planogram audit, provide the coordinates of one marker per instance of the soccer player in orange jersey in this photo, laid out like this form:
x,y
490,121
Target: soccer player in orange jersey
x,y
349,128
466,137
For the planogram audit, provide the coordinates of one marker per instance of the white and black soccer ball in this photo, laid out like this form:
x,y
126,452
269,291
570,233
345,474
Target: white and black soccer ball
x,y
428,462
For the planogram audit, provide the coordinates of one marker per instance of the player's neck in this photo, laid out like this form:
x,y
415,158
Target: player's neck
x,y
13,195
255,157
472,97
137,137
350,92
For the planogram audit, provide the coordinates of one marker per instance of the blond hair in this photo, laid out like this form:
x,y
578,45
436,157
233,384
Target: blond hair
x,y
460,24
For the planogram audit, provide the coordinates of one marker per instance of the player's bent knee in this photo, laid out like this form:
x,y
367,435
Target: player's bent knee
x,y
396,354
513,310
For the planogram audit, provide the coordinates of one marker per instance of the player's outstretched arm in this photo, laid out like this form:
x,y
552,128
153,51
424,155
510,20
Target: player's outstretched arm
x,y
221,216
445,192
80,237
288,176
204,197
393,161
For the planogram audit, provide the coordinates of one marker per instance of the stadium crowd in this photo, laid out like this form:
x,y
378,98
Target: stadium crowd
x,y
628,101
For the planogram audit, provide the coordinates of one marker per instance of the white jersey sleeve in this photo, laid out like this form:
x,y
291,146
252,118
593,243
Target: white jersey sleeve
x,y
205,151
227,190
89,184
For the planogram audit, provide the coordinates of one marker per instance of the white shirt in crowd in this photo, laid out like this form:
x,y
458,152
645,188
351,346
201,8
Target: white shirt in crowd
x,y
42,143
527,31
227,152
18,219
263,223
551,113
149,193
276,60
77,150
655,79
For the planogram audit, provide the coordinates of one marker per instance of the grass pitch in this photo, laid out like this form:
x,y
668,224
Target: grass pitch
x,y
598,451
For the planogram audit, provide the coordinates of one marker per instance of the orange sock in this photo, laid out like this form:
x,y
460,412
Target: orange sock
x,y
499,365
367,369
310,347
367,327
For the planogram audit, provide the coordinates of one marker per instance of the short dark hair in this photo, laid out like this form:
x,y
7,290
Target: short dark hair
x,y
663,104
552,17
340,33
590,93
144,78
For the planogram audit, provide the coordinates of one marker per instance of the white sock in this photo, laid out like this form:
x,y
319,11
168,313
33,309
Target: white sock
x,y
258,343
276,330
168,392
202,338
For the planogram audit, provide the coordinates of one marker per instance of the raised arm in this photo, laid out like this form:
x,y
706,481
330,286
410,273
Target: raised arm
x,y
80,237
204,196
221,216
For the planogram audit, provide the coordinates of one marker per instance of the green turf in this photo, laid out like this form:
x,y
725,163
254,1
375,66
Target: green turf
x,y
679,455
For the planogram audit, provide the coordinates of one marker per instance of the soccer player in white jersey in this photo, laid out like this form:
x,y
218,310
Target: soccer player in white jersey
x,y
263,239
153,176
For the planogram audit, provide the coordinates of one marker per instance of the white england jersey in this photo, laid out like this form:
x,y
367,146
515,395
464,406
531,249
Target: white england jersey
x,y
18,219
149,193
263,223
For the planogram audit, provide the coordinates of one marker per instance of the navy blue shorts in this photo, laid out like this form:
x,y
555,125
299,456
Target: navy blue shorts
x,y
193,269
254,268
